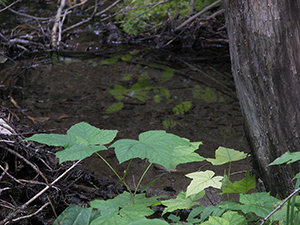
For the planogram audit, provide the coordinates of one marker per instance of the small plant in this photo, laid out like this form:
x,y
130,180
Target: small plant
x,y
168,150
82,140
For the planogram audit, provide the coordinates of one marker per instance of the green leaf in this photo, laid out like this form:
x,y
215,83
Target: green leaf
x,y
169,124
160,93
202,180
119,91
116,107
50,139
121,209
208,94
159,147
126,57
225,155
195,212
127,77
174,218
234,218
139,92
149,222
167,75
74,215
182,108
259,203
181,202
288,157
81,141
242,186
211,210
109,60
214,220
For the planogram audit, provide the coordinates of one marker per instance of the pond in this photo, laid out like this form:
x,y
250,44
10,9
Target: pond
x,y
133,89
152,90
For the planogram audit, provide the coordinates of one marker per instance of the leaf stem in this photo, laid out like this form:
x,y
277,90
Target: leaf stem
x,y
107,163
146,170
125,173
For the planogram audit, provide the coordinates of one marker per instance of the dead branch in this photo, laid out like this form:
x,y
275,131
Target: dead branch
x,y
27,161
198,14
31,215
9,6
11,176
80,23
49,186
108,8
56,24
26,15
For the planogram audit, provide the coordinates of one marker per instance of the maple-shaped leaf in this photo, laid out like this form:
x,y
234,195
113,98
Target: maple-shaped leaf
x,y
224,155
202,180
242,186
181,202
259,203
81,141
121,209
158,147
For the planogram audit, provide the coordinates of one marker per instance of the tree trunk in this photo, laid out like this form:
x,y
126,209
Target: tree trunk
x,y
264,42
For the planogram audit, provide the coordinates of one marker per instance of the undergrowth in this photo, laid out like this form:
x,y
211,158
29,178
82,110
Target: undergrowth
x,y
168,150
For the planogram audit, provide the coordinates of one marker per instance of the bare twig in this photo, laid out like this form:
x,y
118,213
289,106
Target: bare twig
x,y
49,186
198,14
25,15
80,23
6,169
56,24
9,6
108,8
220,12
27,161
280,206
30,215
11,176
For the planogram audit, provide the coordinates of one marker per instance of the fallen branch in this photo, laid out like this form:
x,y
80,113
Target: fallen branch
x,y
49,186
56,24
7,7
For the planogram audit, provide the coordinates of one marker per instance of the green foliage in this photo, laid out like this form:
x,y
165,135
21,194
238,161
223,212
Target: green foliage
x,y
242,186
77,215
202,180
122,210
167,150
139,90
208,94
134,18
158,147
81,141
169,124
288,157
160,93
167,75
182,108
227,218
116,107
110,60
225,155
182,202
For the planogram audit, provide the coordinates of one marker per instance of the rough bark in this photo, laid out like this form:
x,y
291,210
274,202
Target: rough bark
x,y
264,40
